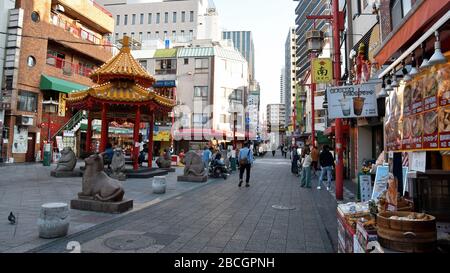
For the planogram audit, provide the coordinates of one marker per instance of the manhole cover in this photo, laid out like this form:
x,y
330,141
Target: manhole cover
x,y
129,242
281,207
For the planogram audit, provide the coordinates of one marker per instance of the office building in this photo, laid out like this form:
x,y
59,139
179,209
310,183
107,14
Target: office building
x,y
243,42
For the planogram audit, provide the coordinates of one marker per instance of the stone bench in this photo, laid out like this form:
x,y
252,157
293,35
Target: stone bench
x,y
53,221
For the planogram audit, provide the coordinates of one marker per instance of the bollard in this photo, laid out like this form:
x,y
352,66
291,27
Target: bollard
x,y
159,184
53,221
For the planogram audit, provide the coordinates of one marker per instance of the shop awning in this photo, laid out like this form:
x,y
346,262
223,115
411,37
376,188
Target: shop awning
x,y
166,53
60,85
421,17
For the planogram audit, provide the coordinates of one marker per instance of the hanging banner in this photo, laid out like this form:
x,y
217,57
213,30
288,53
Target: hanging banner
x,y
322,70
353,101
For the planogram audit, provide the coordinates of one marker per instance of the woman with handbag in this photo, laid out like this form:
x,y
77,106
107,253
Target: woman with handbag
x,y
245,164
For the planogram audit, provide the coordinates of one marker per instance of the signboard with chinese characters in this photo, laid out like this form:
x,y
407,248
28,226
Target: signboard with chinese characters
x,y
322,70
20,141
352,101
62,105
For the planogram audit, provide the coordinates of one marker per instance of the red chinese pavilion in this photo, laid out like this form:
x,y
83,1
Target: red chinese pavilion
x,y
122,94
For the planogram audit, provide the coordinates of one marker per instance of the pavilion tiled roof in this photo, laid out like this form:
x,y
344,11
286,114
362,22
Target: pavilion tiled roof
x,y
123,66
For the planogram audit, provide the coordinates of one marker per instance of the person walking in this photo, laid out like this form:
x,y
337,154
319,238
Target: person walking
x,y
246,160
315,160
206,157
306,169
295,158
285,151
327,163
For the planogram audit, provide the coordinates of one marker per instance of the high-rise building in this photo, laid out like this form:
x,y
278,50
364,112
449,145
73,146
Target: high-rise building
x,y
304,8
282,86
276,115
61,42
254,104
243,41
290,80
174,20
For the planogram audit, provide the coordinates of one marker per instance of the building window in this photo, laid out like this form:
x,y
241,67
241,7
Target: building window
x,y
166,17
35,17
140,37
201,65
141,20
149,18
191,34
143,63
186,61
117,20
149,35
132,36
125,19
399,9
191,16
158,18
124,34
116,37
201,119
182,34
174,35
236,95
183,16
223,118
133,19
165,35
201,92
157,34
166,67
174,17
27,101
31,61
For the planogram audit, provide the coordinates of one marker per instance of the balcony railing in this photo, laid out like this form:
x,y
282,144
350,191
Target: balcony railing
x,y
80,32
68,68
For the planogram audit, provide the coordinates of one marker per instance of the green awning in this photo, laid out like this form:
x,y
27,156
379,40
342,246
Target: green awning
x,y
166,53
323,139
52,83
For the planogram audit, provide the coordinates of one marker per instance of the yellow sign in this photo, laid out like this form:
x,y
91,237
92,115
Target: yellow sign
x,y
322,70
162,136
62,105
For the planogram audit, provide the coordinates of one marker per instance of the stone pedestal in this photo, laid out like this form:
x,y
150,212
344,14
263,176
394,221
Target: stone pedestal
x,y
105,207
66,174
53,221
159,184
194,179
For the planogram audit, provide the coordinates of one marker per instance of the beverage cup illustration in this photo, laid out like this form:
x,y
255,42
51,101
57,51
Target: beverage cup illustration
x,y
345,106
358,105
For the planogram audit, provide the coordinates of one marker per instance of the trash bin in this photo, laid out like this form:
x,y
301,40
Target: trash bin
x,y
47,154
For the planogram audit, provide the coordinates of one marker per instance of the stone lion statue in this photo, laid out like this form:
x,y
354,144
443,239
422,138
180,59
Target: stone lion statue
x,y
68,160
164,162
118,165
97,184
193,165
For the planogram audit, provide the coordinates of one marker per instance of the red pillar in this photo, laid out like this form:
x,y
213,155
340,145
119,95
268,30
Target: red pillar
x,y
313,114
150,141
137,124
89,134
337,76
104,134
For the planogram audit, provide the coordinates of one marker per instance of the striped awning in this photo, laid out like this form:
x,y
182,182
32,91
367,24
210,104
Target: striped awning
x,y
195,52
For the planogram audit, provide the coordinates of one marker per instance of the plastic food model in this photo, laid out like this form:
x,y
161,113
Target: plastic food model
x,y
444,120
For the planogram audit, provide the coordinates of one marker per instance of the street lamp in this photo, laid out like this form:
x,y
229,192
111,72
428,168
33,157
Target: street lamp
x,y
314,44
50,107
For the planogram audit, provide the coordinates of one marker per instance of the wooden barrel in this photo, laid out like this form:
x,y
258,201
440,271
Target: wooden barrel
x,y
406,236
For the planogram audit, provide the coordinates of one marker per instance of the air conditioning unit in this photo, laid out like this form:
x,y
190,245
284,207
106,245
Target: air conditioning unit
x,y
26,121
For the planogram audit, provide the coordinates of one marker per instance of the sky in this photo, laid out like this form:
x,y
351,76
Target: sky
x,y
269,21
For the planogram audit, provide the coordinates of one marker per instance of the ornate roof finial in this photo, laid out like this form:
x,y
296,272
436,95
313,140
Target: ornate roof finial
x,y
125,44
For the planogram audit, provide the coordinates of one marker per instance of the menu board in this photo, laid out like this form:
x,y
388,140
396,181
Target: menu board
x,y
418,114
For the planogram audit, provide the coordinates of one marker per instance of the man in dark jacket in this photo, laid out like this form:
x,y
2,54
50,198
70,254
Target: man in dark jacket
x,y
327,163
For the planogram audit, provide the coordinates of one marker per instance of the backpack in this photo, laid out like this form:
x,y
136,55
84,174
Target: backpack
x,y
245,161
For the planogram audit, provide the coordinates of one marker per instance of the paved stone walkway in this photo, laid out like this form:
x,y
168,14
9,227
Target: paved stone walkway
x,y
25,187
220,217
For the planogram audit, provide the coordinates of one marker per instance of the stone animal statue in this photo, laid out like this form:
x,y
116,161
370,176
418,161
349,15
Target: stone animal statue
x,y
97,184
68,160
118,165
164,162
193,165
